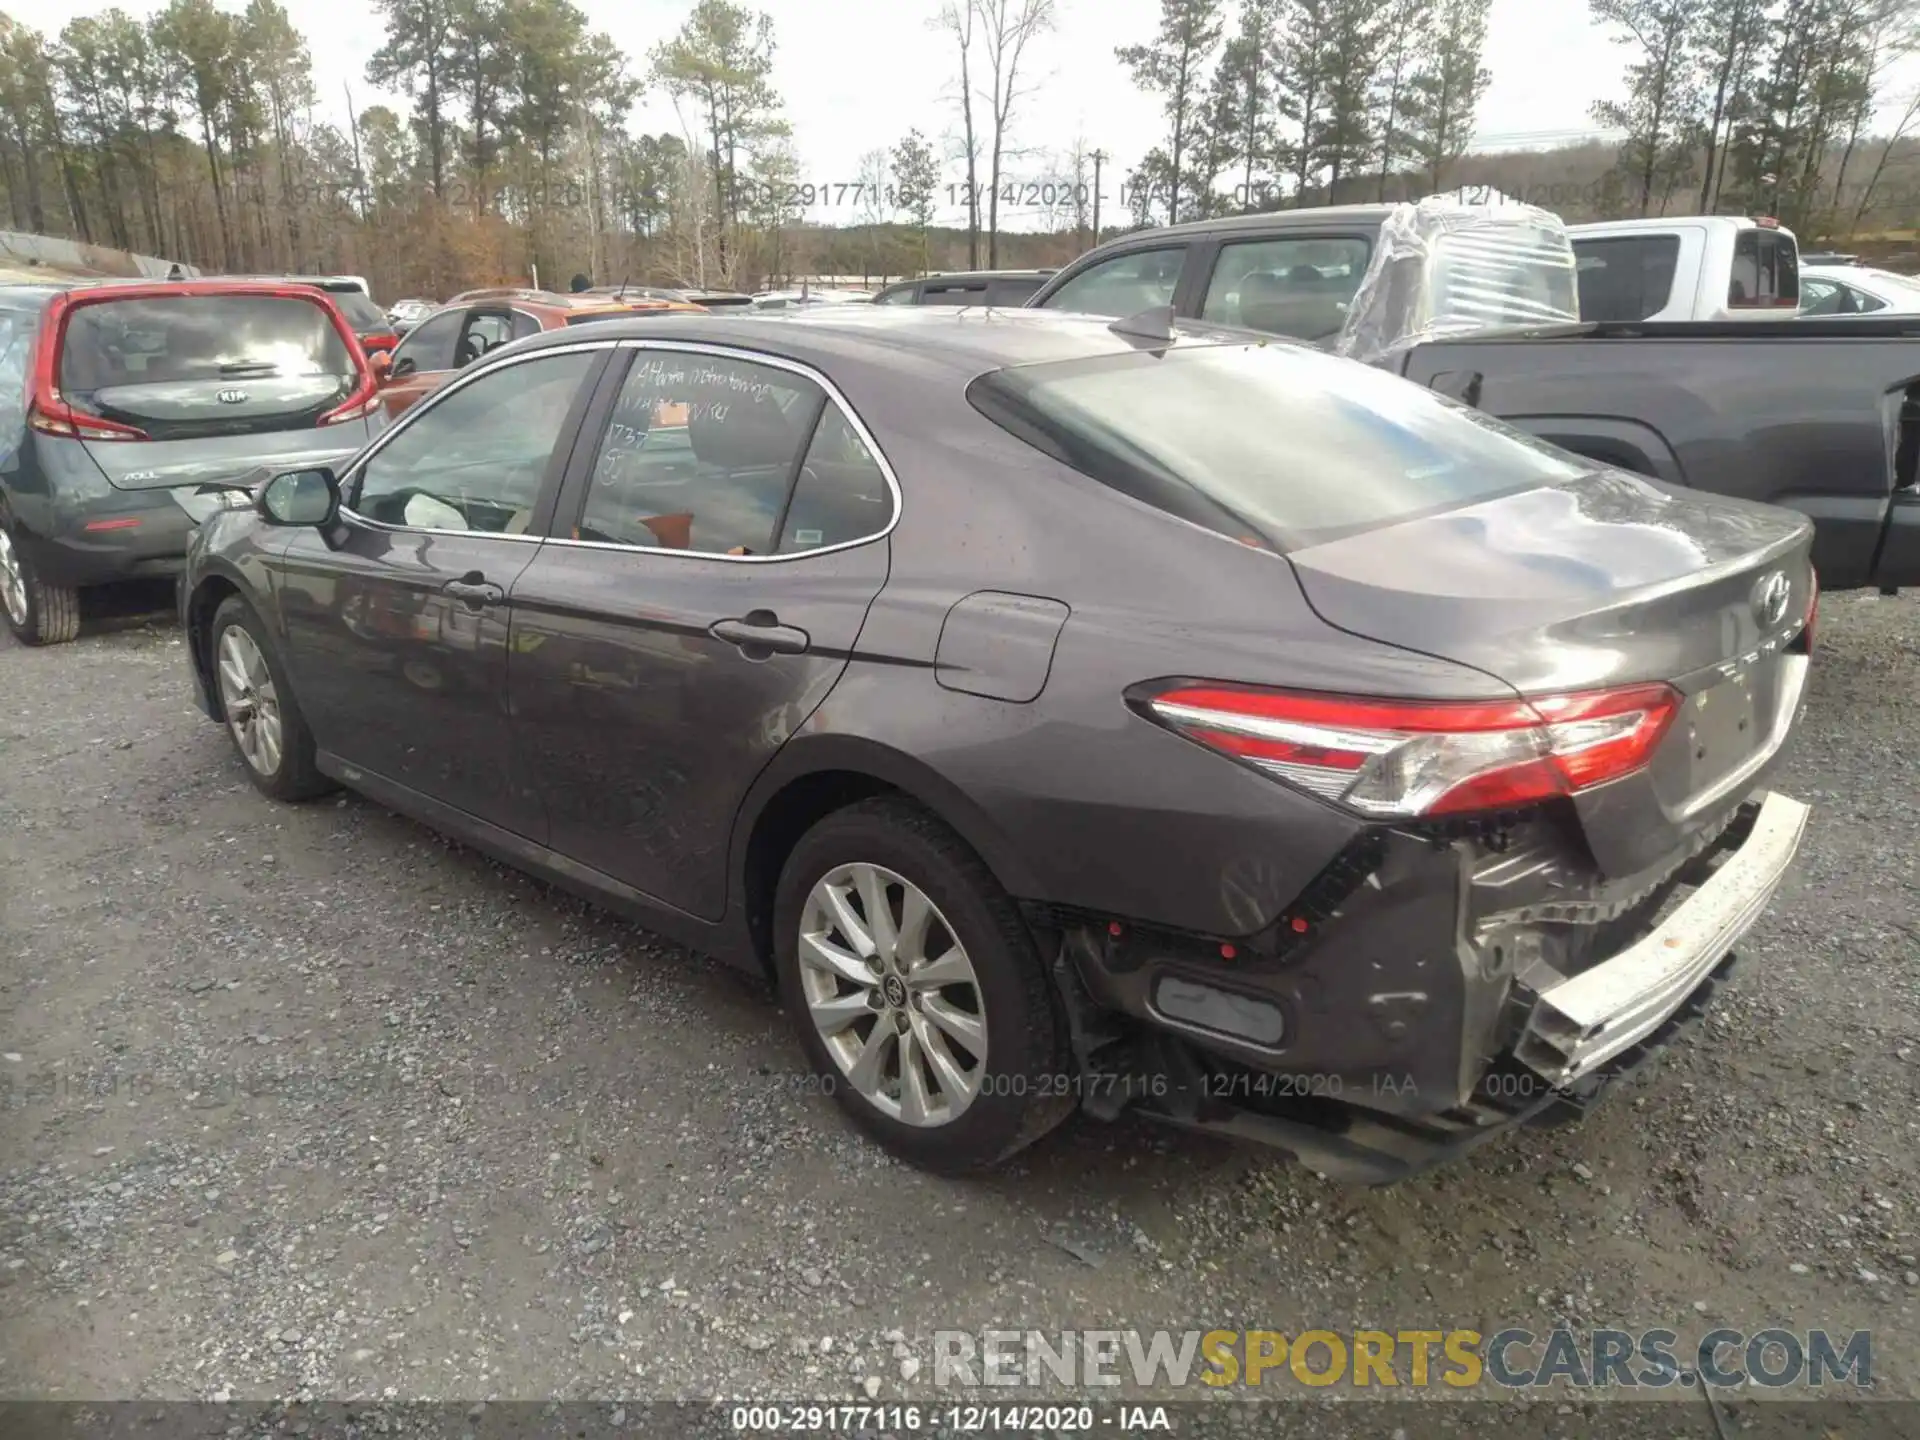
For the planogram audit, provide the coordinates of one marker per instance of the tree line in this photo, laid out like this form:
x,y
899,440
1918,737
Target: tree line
x,y
197,134
1766,106
1299,101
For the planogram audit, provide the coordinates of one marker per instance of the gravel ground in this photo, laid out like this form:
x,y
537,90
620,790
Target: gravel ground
x,y
309,1102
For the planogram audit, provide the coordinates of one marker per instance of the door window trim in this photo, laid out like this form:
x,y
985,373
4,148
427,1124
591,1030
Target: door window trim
x,y
534,534
586,456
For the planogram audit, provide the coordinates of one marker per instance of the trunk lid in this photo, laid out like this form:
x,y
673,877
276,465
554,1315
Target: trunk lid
x,y
1603,581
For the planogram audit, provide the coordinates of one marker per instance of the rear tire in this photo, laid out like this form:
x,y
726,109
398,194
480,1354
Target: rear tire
x,y
936,1031
37,613
262,718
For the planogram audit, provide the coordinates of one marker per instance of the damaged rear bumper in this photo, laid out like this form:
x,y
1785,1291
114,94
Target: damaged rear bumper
x,y
1580,1023
1537,1043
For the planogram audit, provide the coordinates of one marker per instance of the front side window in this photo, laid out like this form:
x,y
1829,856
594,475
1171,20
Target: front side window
x,y
1124,285
1297,286
897,295
721,456
430,344
474,458
1281,445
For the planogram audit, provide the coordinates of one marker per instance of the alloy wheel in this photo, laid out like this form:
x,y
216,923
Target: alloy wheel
x,y
248,697
13,584
890,990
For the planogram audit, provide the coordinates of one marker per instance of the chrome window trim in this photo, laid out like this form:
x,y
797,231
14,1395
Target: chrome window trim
x,y
777,362
426,407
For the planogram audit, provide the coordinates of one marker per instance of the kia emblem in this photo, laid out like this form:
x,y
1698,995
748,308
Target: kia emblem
x,y
232,397
1770,595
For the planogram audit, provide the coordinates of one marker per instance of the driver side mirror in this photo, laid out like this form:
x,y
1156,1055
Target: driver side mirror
x,y
300,497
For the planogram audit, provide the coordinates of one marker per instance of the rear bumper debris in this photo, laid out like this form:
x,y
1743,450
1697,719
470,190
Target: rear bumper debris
x,y
1578,1024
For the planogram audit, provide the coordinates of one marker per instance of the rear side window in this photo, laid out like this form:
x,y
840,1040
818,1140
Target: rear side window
x,y
970,293
897,295
17,329
178,366
1276,445
1766,272
1298,286
1124,285
429,346
841,494
1626,278
362,314
1012,294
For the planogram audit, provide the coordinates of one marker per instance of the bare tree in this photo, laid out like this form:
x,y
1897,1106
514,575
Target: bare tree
x,y
1006,28
957,18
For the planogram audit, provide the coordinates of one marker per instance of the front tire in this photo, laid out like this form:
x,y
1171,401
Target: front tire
x,y
37,613
917,991
262,717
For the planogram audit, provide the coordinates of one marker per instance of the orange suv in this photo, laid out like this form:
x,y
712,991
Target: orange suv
x,y
477,321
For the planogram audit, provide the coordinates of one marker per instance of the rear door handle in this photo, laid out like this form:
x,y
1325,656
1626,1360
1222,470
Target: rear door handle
x,y
474,591
761,631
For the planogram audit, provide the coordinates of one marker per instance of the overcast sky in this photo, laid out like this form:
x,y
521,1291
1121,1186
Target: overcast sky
x,y
856,74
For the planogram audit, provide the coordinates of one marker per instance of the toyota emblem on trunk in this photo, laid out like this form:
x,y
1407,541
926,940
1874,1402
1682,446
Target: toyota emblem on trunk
x,y
232,397
1770,595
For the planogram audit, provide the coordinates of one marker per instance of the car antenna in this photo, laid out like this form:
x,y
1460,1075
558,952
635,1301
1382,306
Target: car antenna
x,y
621,294
1154,324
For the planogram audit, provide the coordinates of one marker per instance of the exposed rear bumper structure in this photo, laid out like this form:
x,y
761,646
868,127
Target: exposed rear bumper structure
x,y
1566,1038
1579,1024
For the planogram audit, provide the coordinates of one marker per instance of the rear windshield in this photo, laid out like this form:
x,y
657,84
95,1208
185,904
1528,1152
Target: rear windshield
x,y
1766,271
1276,444
156,362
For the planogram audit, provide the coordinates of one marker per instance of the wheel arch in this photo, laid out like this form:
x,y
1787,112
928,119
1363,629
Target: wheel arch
x,y
814,777
211,590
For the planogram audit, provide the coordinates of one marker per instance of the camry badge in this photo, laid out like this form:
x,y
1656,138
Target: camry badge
x,y
1770,594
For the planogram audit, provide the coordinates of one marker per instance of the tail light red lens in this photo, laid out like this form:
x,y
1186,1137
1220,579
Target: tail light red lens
x,y
49,415
1403,759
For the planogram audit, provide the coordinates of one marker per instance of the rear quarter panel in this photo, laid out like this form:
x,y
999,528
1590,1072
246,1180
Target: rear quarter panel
x,y
1072,797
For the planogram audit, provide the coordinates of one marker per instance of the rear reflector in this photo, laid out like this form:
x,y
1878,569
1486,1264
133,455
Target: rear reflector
x,y
1221,1011
1395,758
129,522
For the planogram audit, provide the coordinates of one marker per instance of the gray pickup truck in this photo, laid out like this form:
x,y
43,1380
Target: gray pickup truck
x,y
1819,415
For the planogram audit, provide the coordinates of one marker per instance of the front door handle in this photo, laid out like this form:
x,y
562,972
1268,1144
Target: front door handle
x,y
474,591
759,633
